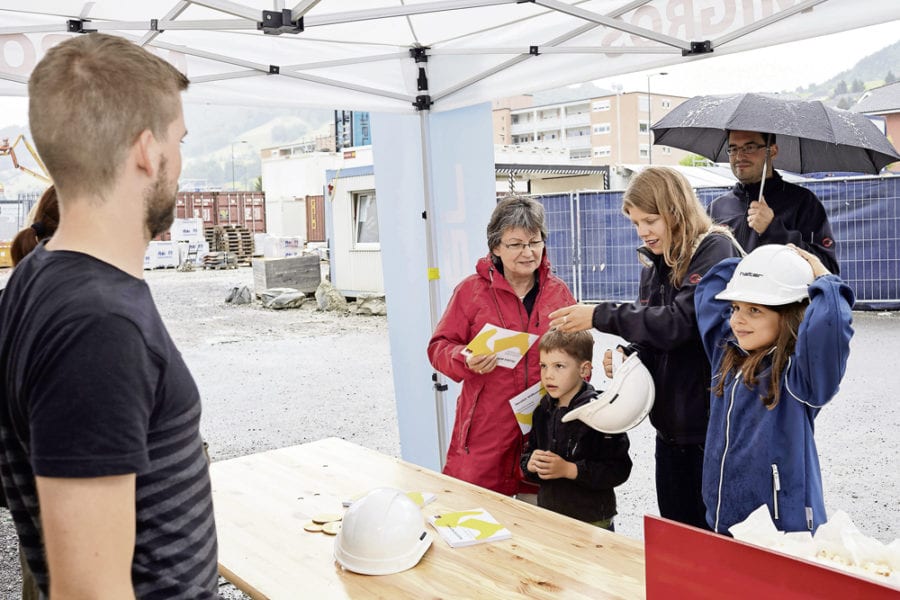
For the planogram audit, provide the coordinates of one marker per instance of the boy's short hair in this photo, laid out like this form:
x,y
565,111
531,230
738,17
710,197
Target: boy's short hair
x,y
578,344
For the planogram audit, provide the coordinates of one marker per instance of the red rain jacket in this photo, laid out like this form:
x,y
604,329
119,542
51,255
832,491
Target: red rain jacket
x,y
486,443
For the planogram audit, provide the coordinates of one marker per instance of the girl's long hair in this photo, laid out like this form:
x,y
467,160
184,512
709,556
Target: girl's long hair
x,y
666,192
750,364
46,220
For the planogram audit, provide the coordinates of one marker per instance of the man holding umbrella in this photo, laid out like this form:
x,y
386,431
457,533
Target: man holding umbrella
x,y
763,208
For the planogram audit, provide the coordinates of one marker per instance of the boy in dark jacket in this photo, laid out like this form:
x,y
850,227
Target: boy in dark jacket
x,y
577,467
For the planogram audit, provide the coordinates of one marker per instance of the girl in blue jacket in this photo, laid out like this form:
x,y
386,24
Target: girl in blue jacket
x,y
776,329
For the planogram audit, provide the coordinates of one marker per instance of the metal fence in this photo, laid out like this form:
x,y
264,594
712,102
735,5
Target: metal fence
x,y
13,213
592,245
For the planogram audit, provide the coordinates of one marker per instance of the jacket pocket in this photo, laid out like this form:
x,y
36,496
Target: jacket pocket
x,y
465,424
776,487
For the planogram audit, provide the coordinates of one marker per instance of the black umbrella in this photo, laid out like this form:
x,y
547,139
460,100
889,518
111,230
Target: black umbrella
x,y
811,137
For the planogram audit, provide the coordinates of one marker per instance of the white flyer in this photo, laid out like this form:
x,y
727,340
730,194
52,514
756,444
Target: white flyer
x,y
523,405
509,346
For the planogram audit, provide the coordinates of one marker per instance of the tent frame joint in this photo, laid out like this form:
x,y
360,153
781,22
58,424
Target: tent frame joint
x,y
78,26
533,50
274,70
438,386
276,22
419,53
423,102
701,47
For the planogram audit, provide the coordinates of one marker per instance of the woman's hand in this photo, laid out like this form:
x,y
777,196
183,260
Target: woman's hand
x,y
481,363
608,361
577,317
813,260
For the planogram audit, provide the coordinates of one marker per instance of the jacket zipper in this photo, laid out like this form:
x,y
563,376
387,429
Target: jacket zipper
x,y
737,380
776,487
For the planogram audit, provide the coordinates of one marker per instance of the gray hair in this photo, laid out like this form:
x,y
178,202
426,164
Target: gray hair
x,y
512,212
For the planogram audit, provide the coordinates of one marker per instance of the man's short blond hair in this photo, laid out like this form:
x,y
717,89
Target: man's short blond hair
x,y
90,97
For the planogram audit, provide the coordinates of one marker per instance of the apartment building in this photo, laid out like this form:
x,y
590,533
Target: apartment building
x,y
607,130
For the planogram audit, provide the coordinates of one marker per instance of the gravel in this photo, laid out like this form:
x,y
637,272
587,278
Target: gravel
x,y
271,379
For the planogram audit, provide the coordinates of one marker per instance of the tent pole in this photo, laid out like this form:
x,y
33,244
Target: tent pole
x,y
433,275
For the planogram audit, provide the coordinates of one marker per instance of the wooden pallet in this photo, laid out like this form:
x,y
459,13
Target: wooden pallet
x,y
236,239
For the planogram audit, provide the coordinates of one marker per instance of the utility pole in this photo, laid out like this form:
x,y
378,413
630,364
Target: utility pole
x,y
618,88
233,185
650,118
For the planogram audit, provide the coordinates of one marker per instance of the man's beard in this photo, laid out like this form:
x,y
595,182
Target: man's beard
x,y
159,203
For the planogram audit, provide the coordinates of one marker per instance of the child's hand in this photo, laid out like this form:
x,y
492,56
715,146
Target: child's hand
x,y
813,260
549,465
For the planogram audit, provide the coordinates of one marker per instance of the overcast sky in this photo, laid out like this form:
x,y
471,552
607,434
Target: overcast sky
x,y
774,69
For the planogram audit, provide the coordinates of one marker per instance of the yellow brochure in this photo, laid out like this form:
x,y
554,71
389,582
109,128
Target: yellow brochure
x,y
509,346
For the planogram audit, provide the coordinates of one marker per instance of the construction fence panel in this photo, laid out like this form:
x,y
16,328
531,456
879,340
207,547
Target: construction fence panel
x,y
561,243
596,256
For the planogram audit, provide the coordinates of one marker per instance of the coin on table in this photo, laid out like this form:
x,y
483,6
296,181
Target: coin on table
x,y
331,528
312,527
326,518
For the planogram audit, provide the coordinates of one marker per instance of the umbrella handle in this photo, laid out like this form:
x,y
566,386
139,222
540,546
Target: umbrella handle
x,y
762,182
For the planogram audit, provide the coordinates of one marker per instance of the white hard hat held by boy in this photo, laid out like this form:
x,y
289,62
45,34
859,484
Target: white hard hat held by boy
x,y
776,327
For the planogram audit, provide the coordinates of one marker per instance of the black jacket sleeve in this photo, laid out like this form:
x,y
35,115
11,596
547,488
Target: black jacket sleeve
x,y
674,323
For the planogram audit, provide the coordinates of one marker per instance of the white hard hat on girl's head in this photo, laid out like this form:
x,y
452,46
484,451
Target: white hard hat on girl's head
x,y
772,275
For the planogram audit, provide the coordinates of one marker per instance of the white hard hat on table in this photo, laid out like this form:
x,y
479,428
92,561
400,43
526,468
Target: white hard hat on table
x,y
382,533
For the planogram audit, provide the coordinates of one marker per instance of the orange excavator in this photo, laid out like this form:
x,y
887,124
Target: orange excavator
x,y
7,149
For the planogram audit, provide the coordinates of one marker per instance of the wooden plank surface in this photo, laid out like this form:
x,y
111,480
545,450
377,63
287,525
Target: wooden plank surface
x,y
262,501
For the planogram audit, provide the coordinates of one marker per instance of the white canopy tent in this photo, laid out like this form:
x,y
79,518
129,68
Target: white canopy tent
x,y
413,58
367,54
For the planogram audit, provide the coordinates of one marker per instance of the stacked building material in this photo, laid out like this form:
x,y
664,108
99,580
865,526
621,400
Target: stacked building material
x,y
236,239
220,260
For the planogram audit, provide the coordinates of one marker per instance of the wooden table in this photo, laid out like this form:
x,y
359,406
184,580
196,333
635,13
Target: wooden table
x,y
263,500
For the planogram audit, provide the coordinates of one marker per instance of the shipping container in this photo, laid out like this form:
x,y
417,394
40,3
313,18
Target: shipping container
x,y
241,208
197,205
315,218
222,208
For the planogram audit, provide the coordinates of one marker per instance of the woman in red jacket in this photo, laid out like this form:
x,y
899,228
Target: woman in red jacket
x,y
512,288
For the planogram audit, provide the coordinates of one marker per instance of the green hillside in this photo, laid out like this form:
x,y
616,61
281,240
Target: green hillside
x,y
845,88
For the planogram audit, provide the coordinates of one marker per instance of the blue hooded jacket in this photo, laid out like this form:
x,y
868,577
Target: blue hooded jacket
x,y
754,455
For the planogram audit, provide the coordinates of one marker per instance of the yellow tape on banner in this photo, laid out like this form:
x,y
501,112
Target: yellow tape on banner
x,y
433,273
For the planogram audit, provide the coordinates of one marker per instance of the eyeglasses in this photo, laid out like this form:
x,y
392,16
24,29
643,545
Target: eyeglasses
x,y
520,246
746,149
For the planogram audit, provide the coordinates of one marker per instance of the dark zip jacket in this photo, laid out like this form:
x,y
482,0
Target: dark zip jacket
x,y
800,218
602,460
662,327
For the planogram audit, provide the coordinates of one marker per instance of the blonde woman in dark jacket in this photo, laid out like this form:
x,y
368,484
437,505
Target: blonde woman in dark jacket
x,y
679,244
